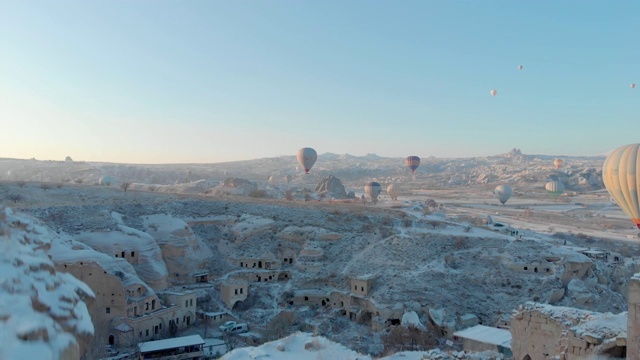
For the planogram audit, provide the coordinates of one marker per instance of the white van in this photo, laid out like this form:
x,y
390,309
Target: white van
x,y
238,328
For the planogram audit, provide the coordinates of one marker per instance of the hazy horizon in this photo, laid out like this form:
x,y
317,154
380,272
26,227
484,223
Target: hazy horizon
x,y
219,81
423,157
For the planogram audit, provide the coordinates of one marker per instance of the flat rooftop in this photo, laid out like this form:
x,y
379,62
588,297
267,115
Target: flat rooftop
x,y
487,335
173,343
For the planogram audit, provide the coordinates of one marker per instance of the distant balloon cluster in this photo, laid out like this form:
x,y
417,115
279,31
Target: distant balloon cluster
x,y
494,92
620,174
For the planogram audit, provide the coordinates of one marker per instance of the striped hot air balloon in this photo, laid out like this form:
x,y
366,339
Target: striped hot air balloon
x,y
621,175
373,189
412,162
555,187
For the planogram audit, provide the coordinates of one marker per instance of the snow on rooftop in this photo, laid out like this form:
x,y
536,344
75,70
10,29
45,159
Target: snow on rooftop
x,y
41,310
173,343
487,335
149,264
63,252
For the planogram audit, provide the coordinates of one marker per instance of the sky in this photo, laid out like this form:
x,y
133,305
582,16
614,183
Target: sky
x,y
204,81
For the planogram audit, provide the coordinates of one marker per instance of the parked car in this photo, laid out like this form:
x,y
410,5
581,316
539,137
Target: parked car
x,y
238,328
227,325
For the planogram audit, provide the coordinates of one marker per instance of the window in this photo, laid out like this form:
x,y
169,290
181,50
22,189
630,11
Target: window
x,y
160,326
306,298
526,268
355,287
133,254
186,303
108,310
240,290
236,292
146,306
361,288
153,304
191,300
147,332
140,333
123,254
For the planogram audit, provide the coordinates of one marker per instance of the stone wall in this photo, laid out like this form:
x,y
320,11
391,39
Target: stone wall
x,y
536,334
633,323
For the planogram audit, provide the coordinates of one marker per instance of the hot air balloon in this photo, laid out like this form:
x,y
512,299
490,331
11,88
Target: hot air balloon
x,y
306,158
373,189
558,163
520,67
555,187
503,193
412,162
393,191
494,92
633,86
621,176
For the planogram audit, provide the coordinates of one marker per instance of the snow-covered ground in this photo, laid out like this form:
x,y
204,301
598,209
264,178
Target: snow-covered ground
x,y
446,258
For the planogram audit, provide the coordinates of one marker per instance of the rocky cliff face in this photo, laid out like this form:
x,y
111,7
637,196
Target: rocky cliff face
x,y
332,186
42,312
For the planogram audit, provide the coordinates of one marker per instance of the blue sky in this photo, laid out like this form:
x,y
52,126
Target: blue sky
x,y
211,81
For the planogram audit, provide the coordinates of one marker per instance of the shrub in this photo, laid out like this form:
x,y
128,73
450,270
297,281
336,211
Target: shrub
x,y
258,194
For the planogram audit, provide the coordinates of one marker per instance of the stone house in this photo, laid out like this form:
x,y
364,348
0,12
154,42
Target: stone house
x,y
263,276
540,331
266,261
362,285
125,310
234,290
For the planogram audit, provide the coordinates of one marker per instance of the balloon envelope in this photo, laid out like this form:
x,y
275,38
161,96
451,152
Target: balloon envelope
x,y
393,190
520,67
412,162
633,85
503,193
558,163
306,158
493,92
555,187
373,189
621,175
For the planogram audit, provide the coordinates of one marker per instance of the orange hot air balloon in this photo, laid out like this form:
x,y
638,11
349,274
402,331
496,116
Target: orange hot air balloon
x,y
558,163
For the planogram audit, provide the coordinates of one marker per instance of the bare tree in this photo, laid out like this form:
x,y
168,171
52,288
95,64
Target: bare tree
x,y
125,186
21,183
15,197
